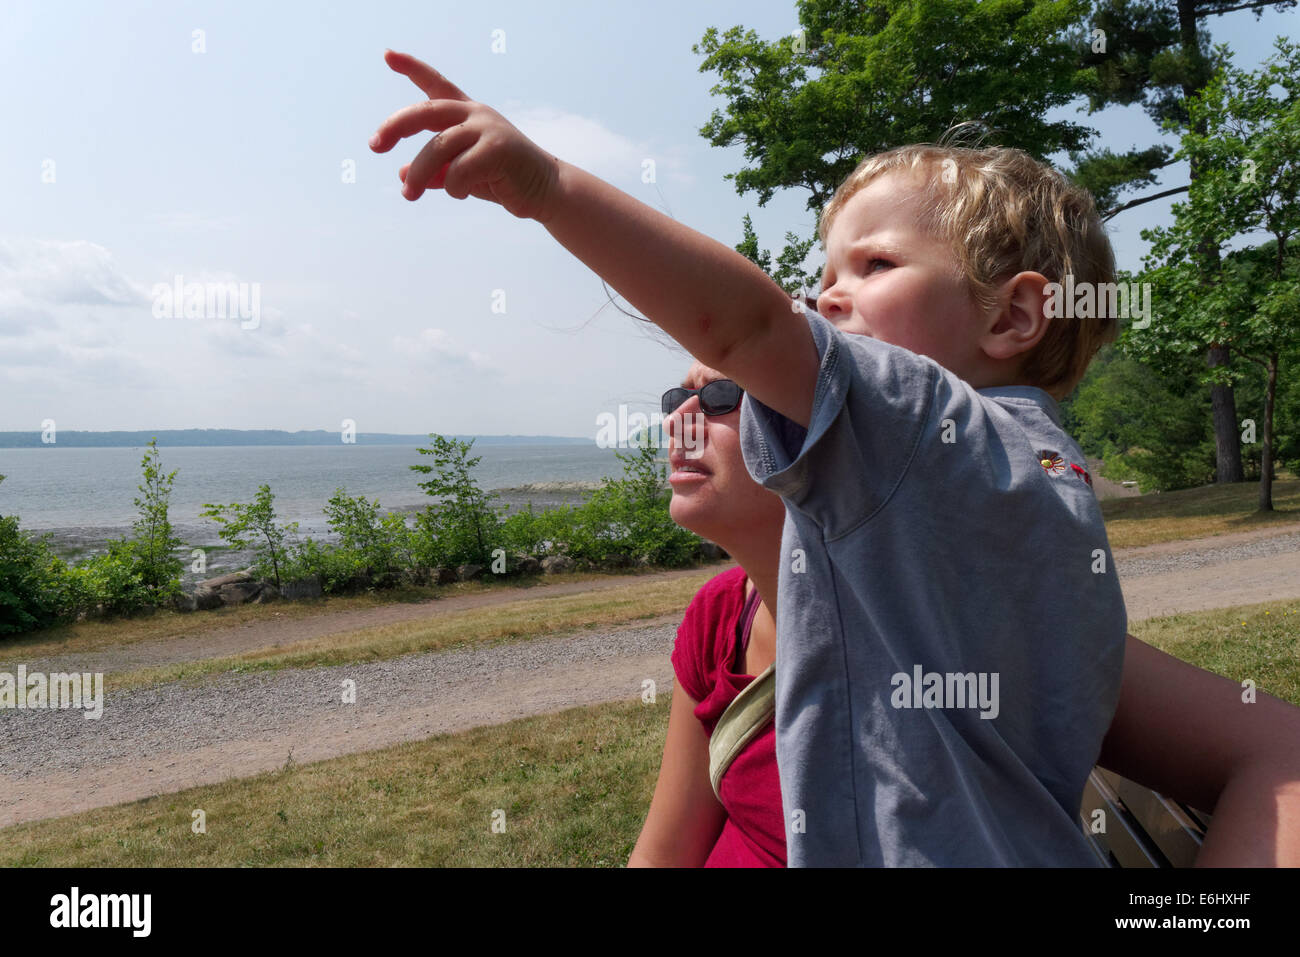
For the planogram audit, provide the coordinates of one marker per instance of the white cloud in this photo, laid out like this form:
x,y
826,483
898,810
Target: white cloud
x,y
437,342
57,272
589,144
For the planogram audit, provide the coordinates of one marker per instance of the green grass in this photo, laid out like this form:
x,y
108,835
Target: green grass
x,y
575,786
1198,512
1260,642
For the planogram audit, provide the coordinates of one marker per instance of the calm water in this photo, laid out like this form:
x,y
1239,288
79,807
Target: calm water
x,y
84,496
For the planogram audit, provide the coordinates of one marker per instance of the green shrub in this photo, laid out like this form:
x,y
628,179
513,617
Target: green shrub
x,y
255,526
463,526
628,517
380,548
340,570
115,581
541,534
37,588
1150,428
153,547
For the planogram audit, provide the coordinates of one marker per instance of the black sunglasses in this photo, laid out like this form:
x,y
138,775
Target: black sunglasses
x,y
716,398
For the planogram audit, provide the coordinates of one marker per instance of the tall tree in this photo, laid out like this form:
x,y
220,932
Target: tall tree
x,y
858,78
1157,53
1245,141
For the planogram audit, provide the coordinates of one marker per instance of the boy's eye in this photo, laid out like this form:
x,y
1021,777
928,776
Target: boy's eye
x,y
871,263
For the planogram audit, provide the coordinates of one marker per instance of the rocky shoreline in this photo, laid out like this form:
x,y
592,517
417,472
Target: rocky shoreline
x,y
76,543
242,587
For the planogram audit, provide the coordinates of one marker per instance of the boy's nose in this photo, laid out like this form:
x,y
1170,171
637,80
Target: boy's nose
x,y
833,302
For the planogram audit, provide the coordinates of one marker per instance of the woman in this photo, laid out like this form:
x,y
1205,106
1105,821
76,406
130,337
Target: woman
x,y
1177,729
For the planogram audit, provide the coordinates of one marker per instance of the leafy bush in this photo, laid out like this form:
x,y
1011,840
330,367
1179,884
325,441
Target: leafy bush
x,y
463,526
339,570
143,571
152,551
1152,429
628,517
380,547
115,580
540,534
1287,419
37,588
254,526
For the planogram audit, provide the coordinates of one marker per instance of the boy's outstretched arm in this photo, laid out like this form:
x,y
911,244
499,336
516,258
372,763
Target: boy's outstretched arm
x,y
721,307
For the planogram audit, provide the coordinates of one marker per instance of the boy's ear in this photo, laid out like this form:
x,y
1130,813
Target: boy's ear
x,y
1018,322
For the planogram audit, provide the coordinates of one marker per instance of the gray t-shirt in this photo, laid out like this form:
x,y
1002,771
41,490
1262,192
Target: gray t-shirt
x,y
950,627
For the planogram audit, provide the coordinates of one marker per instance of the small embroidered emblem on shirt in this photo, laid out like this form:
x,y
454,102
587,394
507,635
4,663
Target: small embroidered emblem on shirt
x,y
1084,472
1051,462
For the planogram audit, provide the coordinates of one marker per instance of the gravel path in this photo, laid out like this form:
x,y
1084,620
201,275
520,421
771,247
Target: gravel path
x,y
1169,557
170,737
174,736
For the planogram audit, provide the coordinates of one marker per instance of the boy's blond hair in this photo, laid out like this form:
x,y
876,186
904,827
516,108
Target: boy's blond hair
x,y
1003,212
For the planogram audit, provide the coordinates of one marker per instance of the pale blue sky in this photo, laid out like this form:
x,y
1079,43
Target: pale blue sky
x,y
226,166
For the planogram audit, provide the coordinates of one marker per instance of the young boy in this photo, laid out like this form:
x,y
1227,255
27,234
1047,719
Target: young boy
x,y
950,629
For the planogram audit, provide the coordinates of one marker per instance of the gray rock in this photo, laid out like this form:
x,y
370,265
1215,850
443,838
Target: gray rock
x,y
556,564
442,575
237,593
309,587
268,593
526,565
233,578
207,598
185,602
468,572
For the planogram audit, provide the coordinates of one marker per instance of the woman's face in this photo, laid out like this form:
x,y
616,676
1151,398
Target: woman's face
x,y
713,493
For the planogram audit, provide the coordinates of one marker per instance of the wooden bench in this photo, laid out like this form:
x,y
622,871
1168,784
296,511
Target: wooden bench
x,y
1142,828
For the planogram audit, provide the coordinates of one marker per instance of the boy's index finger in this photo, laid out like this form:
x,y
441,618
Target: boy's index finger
x,y
434,84
431,115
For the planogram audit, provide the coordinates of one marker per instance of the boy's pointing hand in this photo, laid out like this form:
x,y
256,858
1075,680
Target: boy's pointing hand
x,y
477,152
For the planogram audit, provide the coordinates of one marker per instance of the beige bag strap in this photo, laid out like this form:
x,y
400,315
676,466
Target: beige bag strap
x,y
743,719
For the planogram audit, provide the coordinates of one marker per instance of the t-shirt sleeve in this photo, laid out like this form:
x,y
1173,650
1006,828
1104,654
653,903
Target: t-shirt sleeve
x,y
871,406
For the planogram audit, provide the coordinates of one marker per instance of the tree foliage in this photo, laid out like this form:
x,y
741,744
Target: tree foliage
x,y
1151,53
857,79
1245,140
460,527
1150,428
153,547
37,589
254,526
